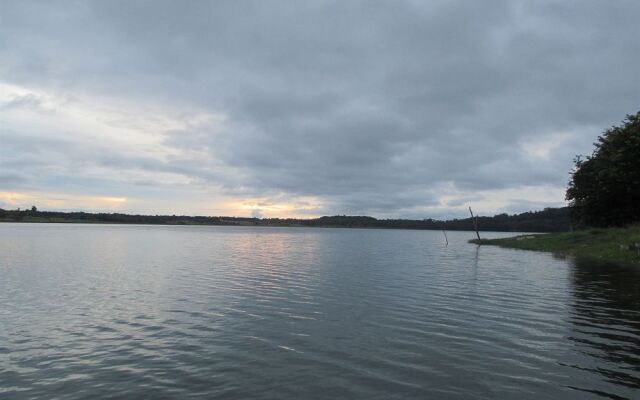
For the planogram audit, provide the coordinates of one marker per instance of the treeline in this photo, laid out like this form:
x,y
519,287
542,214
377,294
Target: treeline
x,y
547,220
604,190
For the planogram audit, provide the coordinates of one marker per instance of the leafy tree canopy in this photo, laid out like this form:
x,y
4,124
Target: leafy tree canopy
x,y
605,187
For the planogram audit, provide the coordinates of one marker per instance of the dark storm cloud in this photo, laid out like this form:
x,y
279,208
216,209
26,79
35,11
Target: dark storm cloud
x,y
374,107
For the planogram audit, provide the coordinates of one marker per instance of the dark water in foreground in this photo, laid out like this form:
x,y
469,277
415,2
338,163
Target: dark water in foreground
x,y
286,313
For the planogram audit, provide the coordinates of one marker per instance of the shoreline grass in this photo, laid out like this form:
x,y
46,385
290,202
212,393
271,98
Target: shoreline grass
x,y
617,245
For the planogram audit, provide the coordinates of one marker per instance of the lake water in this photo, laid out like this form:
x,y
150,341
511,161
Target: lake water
x,y
106,311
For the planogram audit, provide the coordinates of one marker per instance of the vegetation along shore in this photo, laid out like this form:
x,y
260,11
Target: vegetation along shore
x,y
604,198
618,245
547,220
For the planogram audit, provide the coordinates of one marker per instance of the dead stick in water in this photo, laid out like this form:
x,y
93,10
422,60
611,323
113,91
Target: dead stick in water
x,y
475,223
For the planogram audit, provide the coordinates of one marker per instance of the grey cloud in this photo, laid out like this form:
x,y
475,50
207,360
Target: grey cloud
x,y
256,213
371,106
28,101
11,179
524,205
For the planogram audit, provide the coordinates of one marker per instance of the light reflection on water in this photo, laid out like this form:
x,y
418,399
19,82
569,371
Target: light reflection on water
x,y
226,312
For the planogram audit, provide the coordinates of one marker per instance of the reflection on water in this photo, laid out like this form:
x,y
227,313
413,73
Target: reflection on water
x,y
606,320
260,313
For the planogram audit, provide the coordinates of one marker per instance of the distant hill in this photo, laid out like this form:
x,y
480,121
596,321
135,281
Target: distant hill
x,y
547,220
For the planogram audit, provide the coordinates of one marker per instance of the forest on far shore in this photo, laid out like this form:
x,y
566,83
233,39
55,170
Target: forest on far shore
x,y
547,220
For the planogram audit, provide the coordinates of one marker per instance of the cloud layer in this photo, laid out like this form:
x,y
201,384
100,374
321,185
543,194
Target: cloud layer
x,y
393,109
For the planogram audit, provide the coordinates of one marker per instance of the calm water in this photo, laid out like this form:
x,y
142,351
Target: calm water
x,y
90,311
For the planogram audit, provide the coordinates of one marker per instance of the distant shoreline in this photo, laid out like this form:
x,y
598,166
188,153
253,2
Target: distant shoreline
x,y
547,220
470,230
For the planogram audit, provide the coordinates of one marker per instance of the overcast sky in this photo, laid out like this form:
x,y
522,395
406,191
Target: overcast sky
x,y
410,109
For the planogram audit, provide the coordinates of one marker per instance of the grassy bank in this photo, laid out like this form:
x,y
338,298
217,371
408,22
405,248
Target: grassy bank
x,y
618,245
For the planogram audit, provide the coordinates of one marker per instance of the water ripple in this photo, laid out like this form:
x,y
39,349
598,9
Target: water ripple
x,y
259,313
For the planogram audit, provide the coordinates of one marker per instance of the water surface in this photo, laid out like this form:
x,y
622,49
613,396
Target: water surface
x,y
107,311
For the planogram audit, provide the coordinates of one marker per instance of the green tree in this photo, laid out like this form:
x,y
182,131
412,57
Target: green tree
x,y
605,187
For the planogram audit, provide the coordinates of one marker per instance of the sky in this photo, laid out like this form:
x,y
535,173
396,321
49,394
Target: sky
x,y
394,109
